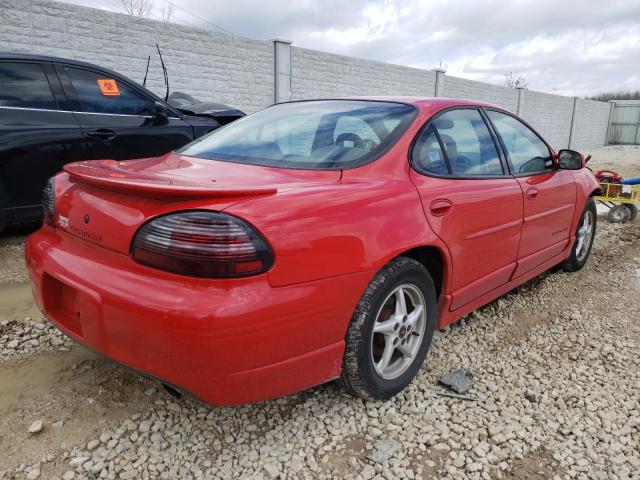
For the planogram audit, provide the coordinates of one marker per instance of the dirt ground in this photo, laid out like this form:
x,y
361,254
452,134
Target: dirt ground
x,y
555,365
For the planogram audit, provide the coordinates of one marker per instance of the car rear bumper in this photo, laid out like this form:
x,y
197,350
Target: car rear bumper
x,y
224,341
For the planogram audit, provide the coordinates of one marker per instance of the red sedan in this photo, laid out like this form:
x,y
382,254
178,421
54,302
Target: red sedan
x,y
308,242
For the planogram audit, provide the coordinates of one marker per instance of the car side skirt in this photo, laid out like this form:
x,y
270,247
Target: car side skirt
x,y
446,316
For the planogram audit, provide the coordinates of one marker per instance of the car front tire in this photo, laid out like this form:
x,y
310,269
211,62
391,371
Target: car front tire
x,y
585,234
390,331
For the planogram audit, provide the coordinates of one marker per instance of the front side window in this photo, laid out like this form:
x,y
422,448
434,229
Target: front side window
x,y
100,93
25,85
322,134
527,152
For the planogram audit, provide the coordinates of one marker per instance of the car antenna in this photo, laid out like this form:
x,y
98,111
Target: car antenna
x,y
144,82
164,70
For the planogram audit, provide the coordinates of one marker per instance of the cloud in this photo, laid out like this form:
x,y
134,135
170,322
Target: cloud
x,y
575,47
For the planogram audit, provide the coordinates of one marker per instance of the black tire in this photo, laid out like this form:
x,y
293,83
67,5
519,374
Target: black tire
x,y
359,375
619,214
4,201
634,211
576,261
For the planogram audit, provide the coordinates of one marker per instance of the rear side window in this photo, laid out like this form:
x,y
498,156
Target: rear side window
x,y
468,143
527,152
427,155
99,93
469,149
25,85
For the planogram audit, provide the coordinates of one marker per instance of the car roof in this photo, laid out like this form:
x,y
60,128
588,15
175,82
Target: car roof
x,y
431,103
51,58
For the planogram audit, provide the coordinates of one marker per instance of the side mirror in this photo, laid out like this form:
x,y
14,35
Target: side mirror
x,y
570,160
161,115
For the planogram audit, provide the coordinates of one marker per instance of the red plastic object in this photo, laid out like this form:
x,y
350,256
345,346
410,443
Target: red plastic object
x,y
608,176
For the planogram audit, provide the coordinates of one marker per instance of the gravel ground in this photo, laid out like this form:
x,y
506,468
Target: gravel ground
x,y
556,394
625,159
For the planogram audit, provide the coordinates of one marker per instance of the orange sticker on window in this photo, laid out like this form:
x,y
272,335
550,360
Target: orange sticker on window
x,y
108,87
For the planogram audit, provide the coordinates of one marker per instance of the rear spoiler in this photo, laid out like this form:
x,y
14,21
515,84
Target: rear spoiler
x,y
109,175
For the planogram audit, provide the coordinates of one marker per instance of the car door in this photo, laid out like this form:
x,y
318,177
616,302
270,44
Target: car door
x,y
470,200
118,120
549,193
36,135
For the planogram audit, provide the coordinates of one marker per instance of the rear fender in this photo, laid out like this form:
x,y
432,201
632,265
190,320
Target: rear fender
x,y
340,229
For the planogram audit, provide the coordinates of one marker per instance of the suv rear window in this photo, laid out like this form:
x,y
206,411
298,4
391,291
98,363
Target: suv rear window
x,y
319,134
25,85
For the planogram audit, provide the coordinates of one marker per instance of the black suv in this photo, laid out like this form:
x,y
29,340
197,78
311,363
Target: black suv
x,y
54,111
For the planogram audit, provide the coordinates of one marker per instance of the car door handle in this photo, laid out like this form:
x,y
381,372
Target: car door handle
x,y
532,193
440,207
103,134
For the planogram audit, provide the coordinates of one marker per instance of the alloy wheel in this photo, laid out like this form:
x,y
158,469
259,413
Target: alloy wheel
x,y
585,236
398,331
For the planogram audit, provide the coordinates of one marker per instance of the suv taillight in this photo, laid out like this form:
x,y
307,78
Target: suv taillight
x,y
49,201
202,244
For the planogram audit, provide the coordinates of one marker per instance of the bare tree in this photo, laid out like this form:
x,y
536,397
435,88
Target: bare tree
x,y
515,80
617,95
166,11
137,8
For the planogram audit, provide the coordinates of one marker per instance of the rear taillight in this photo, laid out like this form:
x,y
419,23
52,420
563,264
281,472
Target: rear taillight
x,y
49,202
202,244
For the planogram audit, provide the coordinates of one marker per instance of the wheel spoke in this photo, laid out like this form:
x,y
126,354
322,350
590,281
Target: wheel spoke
x,y
401,303
413,317
405,350
382,365
579,245
387,327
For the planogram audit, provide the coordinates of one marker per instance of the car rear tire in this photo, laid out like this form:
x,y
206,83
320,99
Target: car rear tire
x,y
390,331
585,233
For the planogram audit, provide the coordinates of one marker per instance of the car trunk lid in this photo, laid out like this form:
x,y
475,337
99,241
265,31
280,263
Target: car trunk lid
x,y
106,201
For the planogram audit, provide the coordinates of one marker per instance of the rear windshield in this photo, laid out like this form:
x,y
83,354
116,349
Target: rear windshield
x,y
327,134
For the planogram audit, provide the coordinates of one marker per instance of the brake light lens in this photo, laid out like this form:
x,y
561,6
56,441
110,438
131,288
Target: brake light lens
x,y
49,202
202,244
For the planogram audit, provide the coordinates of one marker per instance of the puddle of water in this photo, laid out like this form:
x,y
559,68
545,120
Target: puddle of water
x,y
36,376
15,298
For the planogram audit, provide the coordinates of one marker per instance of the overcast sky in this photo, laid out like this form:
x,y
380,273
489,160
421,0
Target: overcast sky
x,y
571,47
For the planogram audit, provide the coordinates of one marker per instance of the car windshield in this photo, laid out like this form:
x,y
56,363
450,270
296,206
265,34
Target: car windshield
x,y
322,134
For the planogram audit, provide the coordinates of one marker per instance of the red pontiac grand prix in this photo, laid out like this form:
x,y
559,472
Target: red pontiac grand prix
x,y
308,242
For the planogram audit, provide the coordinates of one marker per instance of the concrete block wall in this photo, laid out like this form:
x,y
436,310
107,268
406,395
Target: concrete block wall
x,y
550,115
211,66
460,88
316,74
248,74
590,124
